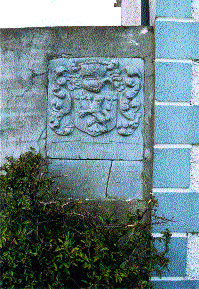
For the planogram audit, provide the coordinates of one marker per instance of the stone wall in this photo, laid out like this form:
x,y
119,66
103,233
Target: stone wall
x,y
109,163
176,163
23,88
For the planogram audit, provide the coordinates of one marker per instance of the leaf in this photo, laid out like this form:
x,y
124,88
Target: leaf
x,y
55,266
96,259
15,241
74,250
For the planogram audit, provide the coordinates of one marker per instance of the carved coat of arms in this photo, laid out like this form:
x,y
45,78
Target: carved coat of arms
x,y
95,96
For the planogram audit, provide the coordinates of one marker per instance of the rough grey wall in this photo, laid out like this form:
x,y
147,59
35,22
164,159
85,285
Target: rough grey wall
x,y
24,80
23,88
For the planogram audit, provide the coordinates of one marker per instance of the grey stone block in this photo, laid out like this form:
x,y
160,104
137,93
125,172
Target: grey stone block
x,y
125,180
85,179
96,151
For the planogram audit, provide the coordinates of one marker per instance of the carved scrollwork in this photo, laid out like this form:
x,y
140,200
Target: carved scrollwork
x,y
95,96
61,104
129,105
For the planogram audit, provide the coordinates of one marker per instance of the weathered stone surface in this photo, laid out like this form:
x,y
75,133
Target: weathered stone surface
x,y
25,55
85,179
83,150
16,148
96,107
23,127
23,88
88,179
125,181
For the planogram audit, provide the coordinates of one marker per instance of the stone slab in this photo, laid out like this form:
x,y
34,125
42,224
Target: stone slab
x,y
183,207
177,124
173,8
94,179
171,168
96,151
173,81
81,179
125,181
177,40
177,255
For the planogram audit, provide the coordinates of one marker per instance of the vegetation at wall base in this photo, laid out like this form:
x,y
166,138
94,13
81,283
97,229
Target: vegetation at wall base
x,y
51,242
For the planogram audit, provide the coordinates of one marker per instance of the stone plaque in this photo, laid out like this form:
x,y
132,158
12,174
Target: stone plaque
x,y
100,112
95,108
95,122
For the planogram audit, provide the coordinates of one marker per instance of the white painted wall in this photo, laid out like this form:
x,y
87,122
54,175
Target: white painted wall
x,y
40,13
195,10
131,12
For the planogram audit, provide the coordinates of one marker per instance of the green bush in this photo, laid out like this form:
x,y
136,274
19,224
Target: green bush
x,y
51,242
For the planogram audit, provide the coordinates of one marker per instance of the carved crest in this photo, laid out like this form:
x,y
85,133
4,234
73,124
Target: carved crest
x,y
95,96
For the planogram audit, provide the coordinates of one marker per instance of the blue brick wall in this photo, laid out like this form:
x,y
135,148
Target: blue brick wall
x,y
184,284
173,81
171,168
177,40
176,130
177,124
173,8
182,207
177,255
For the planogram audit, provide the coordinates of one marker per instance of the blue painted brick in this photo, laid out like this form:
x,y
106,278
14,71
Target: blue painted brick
x,y
171,168
177,255
177,124
173,81
173,8
183,207
186,284
177,40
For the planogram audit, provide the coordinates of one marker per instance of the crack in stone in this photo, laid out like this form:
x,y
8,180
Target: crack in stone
x,y
34,74
109,174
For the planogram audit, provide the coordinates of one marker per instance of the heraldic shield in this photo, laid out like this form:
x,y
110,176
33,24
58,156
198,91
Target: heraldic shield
x,y
95,95
95,103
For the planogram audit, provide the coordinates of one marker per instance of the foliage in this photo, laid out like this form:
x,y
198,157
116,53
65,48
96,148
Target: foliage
x,y
49,242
